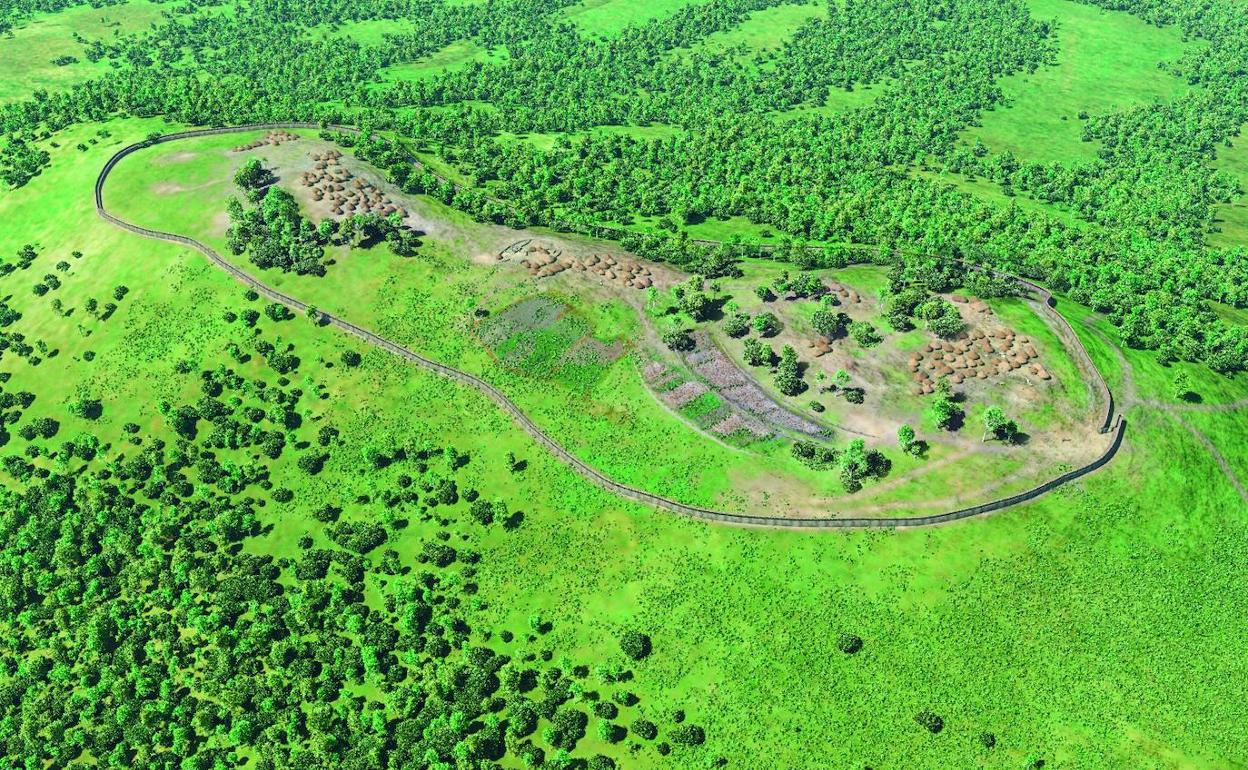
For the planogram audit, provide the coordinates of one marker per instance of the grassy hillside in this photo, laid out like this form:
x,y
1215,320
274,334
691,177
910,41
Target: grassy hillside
x,y
1106,62
161,599
743,620
31,49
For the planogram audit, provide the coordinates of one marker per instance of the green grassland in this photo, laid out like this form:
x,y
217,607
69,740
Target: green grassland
x,y
1098,627
453,57
1232,218
1106,62
607,18
371,32
1060,660
28,51
763,31
426,303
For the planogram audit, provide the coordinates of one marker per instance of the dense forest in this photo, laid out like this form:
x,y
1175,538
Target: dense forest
x,y
1145,204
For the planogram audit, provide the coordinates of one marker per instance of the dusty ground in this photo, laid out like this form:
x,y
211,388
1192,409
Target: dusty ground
x,y
597,271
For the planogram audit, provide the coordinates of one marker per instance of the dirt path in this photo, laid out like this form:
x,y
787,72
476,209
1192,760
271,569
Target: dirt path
x,y
1130,397
526,423
1217,456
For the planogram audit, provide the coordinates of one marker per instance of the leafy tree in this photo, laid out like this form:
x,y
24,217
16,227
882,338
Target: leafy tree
x,y
788,375
687,735
944,410
849,644
677,339
635,644
252,175
737,325
998,426
766,324
864,334
830,324
930,721
1182,388
758,353
906,438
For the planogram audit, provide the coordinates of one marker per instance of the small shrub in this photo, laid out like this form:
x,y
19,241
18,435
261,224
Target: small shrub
x,y
849,643
930,721
635,645
645,729
688,735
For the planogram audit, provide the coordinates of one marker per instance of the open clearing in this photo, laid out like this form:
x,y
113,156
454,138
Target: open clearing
x,y
30,51
1107,62
557,375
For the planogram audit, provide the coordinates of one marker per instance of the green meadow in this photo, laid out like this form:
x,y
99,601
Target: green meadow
x,y
1099,626
29,52
1050,658
1106,62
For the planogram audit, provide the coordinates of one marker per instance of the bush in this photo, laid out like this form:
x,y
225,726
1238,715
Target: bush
x,y
687,735
86,408
930,721
635,645
645,729
42,427
766,324
278,312
849,643
359,537
483,512
326,514
311,463
609,732
350,358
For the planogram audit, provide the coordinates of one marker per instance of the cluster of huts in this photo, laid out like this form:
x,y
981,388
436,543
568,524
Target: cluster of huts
x,y
977,305
981,355
542,263
346,193
274,138
819,346
846,294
